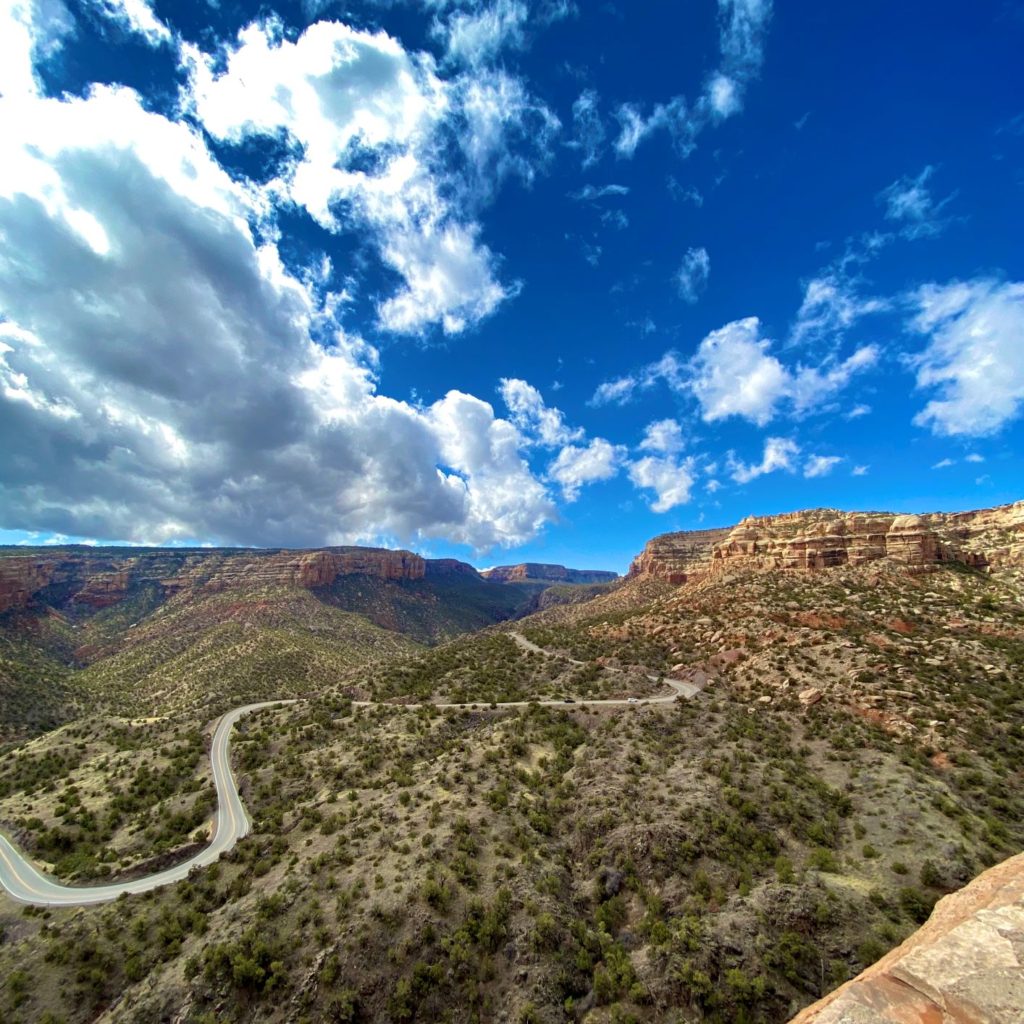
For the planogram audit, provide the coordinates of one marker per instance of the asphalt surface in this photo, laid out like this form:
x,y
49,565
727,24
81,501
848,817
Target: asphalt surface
x,y
27,884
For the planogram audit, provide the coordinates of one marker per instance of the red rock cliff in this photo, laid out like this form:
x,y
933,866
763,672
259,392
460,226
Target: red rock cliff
x,y
819,538
83,579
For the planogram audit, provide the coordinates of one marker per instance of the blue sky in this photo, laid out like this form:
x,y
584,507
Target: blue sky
x,y
504,279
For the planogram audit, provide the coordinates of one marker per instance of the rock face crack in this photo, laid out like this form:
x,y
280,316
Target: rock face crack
x,y
965,965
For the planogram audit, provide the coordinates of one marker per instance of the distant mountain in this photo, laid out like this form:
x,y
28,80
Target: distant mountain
x,y
538,572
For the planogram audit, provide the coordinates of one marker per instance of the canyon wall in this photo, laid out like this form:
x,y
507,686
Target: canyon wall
x,y
819,538
965,965
541,572
97,580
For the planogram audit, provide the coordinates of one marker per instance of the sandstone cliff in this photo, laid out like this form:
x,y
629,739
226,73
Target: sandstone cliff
x,y
964,966
819,538
80,577
541,572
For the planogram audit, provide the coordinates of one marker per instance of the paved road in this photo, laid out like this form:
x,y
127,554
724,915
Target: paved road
x,y
27,884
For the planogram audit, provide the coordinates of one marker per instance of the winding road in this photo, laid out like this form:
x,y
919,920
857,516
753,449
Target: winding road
x,y
27,884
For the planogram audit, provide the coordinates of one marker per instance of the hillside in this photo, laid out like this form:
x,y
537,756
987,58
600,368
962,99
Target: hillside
x,y
854,754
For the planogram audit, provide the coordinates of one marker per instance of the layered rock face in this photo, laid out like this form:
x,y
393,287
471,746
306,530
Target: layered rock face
x,y
964,966
819,538
540,572
678,557
93,581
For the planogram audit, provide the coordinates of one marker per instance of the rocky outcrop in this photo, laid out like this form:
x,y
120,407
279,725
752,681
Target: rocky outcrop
x,y
529,572
104,589
678,557
20,578
964,966
820,538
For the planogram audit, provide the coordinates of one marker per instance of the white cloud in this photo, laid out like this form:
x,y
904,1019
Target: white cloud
x,y
576,465
477,36
614,392
723,95
821,465
158,374
859,471
665,436
669,368
669,478
31,31
364,119
974,457
533,416
812,386
588,129
858,410
590,193
831,306
909,202
615,218
692,275
136,16
743,27
733,374
944,464
632,129
973,356
779,454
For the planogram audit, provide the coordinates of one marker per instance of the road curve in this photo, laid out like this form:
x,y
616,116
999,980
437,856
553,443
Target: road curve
x,y
27,884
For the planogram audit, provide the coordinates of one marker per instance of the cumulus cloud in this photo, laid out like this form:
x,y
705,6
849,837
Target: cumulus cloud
x,y
578,465
909,202
692,275
31,31
364,121
780,453
734,374
670,478
973,356
159,373
664,436
537,420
